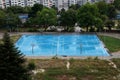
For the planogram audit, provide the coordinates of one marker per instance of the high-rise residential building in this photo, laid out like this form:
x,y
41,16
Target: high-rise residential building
x,y
17,3
7,3
2,3
60,4
31,2
47,3
109,1
72,2
82,2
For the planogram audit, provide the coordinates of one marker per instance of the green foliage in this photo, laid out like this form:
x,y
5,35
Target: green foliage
x,y
12,20
87,15
15,9
46,17
117,4
31,66
103,7
35,9
71,60
26,9
2,18
74,7
111,13
118,24
55,8
55,57
96,58
68,18
99,23
110,24
12,61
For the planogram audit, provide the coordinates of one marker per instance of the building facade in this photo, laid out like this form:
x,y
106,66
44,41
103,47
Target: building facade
x,y
2,3
60,4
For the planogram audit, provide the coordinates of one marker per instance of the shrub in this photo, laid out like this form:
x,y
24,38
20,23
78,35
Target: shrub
x,y
32,30
31,66
96,58
71,60
55,57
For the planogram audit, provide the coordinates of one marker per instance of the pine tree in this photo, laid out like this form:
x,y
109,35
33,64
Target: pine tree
x,y
11,61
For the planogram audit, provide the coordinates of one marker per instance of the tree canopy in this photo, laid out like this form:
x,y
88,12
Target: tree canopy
x,y
87,15
35,9
47,17
68,18
117,4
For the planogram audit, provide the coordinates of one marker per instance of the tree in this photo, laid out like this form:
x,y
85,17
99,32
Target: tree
x,y
55,8
111,11
15,9
110,24
99,24
87,15
102,7
117,4
61,11
11,61
47,17
118,24
26,9
12,21
68,18
74,7
35,9
2,18
106,9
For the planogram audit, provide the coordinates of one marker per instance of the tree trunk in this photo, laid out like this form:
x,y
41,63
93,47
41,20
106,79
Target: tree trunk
x,y
109,28
87,29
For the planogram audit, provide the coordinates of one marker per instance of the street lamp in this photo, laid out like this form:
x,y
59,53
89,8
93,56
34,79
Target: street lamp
x,y
33,45
81,48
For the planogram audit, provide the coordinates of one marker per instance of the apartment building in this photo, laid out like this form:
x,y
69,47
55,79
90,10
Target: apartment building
x,y
2,3
47,3
109,1
60,4
16,3
31,2
71,2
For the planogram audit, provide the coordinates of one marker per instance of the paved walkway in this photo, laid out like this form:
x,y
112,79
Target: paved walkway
x,y
114,55
115,35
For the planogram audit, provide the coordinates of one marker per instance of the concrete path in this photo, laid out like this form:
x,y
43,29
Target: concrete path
x,y
115,35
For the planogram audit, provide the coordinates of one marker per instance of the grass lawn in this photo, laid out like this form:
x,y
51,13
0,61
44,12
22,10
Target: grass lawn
x,y
113,44
117,62
13,38
88,69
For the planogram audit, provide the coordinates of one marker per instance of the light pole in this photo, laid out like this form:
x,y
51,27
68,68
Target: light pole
x,y
33,45
81,48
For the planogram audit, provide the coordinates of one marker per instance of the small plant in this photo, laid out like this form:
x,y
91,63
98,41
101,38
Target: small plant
x,y
55,57
89,58
96,58
71,60
31,66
